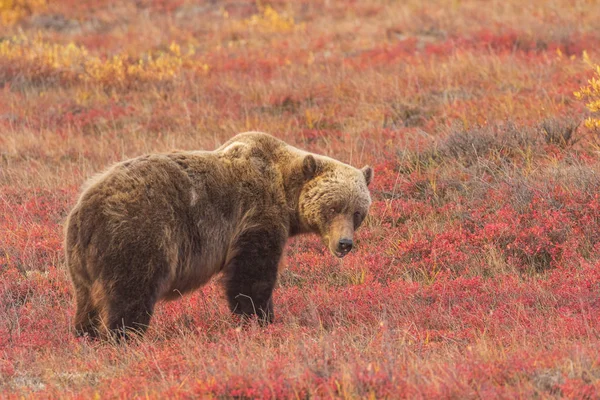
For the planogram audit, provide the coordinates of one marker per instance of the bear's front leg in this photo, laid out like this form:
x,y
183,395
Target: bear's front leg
x,y
251,274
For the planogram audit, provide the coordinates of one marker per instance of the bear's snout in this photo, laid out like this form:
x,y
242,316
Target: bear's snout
x,y
344,246
340,235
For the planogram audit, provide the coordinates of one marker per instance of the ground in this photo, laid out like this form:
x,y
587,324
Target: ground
x,y
477,273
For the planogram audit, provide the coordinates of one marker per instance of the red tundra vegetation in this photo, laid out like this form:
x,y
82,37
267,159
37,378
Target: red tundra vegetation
x,y
477,273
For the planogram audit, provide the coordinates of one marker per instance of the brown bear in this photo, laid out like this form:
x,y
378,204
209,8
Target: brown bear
x,y
157,226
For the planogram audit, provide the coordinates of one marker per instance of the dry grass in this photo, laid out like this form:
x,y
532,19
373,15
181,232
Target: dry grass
x,y
476,274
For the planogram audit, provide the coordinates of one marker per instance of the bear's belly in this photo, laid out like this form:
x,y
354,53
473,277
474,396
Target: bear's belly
x,y
193,271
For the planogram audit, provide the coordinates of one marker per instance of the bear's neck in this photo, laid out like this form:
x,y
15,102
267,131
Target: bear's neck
x,y
293,181
292,188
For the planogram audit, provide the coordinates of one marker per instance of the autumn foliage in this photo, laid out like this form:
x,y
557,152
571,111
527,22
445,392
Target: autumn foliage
x,y
477,274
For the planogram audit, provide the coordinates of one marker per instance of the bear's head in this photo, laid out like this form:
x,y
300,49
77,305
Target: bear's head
x,y
334,201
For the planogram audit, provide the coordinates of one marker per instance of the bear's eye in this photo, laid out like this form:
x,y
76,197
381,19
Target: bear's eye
x,y
333,210
358,218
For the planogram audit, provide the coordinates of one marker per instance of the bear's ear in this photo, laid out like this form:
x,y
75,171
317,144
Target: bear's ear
x,y
309,167
368,173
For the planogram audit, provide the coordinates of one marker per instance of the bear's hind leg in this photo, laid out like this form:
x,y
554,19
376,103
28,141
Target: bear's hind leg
x,y
128,311
86,316
130,320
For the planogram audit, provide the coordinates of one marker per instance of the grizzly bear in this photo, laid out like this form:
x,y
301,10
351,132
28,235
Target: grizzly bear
x,y
160,225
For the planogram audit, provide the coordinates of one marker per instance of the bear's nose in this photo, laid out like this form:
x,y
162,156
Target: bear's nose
x,y
345,245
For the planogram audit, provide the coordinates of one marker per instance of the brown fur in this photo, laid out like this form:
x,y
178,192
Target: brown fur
x,y
158,226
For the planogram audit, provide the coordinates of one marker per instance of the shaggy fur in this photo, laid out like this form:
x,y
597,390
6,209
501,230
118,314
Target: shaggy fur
x,y
157,226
